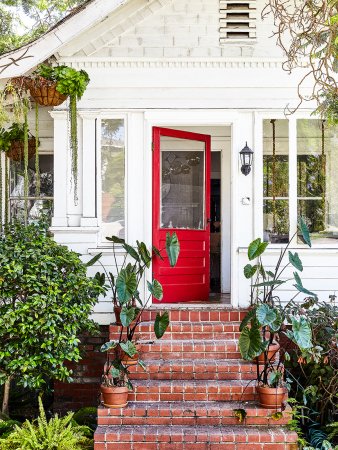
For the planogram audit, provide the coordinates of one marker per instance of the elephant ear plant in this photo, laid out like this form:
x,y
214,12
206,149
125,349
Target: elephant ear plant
x,y
268,318
125,287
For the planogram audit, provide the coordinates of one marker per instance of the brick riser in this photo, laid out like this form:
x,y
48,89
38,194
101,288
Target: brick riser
x,y
194,380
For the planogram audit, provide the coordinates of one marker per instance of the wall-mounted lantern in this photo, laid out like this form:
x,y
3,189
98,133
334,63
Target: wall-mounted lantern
x,y
246,155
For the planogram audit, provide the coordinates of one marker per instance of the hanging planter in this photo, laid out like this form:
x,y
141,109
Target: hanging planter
x,y
12,142
44,92
50,86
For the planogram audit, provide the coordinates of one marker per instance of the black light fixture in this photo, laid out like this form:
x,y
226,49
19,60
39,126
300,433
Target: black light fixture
x,y
246,155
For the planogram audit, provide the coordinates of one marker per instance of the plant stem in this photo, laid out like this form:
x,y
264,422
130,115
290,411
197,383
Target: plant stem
x,y
37,166
25,146
1,193
73,141
6,190
5,400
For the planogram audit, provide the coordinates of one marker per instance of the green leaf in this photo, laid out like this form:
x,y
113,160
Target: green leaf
x,y
277,415
115,373
92,261
156,290
250,342
251,314
302,333
305,234
129,348
295,261
161,324
270,283
299,286
127,315
240,414
108,346
144,253
142,365
126,285
266,315
157,252
131,251
249,271
256,249
172,248
115,240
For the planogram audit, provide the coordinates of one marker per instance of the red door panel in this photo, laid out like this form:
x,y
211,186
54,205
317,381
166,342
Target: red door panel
x,y
181,203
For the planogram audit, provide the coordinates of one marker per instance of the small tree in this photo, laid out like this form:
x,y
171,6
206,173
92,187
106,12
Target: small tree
x,y
45,302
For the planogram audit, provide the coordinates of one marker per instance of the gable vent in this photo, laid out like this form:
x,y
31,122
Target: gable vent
x,y
237,20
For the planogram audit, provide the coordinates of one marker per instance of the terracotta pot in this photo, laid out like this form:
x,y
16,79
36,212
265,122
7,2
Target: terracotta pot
x,y
16,151
114,397
128,361
44,92
271,397
272,352
117,312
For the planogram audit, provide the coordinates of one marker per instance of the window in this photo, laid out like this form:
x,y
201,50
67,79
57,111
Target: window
x,y
300,178
38,203
317,184
113,177
276,181
237,20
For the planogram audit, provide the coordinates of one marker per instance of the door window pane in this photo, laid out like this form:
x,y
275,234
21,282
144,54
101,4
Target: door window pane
x,y
182,184
276,180
113,177
317,187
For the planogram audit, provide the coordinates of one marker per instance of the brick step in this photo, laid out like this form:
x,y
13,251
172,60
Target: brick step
x,y
190,414
193,438
194,349
185,330
207,314
199,369
192,390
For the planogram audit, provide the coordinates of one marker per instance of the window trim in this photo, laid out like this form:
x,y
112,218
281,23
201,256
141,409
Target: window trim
x,y
114,116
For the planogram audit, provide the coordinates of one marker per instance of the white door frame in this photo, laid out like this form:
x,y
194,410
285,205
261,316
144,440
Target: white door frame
x,y
239,132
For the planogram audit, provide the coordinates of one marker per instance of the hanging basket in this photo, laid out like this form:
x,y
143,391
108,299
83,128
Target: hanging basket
x,y
44,92
16,151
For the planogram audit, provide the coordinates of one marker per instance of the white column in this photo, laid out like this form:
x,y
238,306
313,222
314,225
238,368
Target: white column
x,y
89,169
61,172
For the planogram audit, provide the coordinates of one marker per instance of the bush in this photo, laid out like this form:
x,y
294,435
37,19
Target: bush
x,y
45,302
59,433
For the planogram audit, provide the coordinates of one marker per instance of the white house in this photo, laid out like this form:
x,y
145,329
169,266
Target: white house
x,y
178,88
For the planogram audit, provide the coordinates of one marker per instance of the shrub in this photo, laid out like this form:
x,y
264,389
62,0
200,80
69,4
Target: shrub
x,y
45,302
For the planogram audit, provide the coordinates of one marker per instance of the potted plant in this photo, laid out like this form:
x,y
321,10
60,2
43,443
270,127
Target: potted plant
x,y
12,142
125,286
267,319
115,383
50,86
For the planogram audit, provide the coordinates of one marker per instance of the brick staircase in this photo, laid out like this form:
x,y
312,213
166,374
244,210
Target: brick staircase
x,y
195,380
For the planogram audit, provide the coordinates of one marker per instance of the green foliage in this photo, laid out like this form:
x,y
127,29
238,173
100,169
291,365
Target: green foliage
x,y
86,416
240,414
267,317
59,433
161,324
7,427
14,133
45,302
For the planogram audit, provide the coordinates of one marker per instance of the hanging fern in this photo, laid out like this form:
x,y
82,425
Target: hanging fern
x,y
37,165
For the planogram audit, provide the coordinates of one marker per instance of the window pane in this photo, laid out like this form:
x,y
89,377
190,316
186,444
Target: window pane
x,y
113,176
46,177
276,180
36,209
317,165
182,183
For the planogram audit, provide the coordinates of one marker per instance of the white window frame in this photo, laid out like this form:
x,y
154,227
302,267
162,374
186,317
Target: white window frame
x,y
293,194
100,117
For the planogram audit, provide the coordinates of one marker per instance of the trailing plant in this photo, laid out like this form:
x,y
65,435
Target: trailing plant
x,y
268,318
58,433
125,287
46,300
72,83
7,427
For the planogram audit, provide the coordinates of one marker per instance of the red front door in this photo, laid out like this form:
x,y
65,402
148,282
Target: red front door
x,y
181,203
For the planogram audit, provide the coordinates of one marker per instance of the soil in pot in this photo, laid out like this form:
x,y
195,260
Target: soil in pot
x,y
272,352
114,396
271,397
